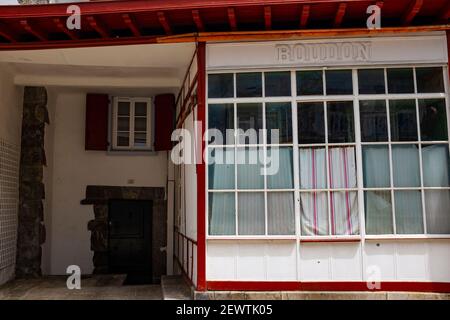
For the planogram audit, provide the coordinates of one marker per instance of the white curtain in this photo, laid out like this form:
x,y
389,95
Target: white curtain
x,y
408,212
378,212
280,213
249,169
221,169
284,178
251,220
406,166
222,214
376,167
438,211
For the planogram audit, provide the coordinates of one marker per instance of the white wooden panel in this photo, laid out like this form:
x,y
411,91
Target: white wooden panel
x,y
380,255
315,262
281,261
346,261
439,261
412,261
221,260
251,261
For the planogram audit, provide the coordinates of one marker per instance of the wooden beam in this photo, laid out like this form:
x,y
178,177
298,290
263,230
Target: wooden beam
x,y
444,13
131,23
232,19
101,29
164,22
306,10
340,13
412,11
198,20
268,17
63,28
33,30
380,4
6,34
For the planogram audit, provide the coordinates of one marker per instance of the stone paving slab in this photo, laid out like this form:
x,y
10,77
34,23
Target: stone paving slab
x,y
175,288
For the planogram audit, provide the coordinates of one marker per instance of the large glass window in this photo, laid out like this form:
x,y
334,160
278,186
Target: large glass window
x,y
350,144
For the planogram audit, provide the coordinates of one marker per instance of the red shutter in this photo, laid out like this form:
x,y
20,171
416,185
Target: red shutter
x,y
96,133
164,121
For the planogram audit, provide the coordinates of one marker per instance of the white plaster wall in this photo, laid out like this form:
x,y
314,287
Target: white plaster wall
x,y
71,169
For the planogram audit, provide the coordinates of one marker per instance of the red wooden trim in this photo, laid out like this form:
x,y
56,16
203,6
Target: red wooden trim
x,y
340,13
232,19
448,49
33,30
164,22
131,23
198,20
438,287
98,26
445,13
380,4
62,26
328,240
201,175
306,10
268,17
412,11
5,33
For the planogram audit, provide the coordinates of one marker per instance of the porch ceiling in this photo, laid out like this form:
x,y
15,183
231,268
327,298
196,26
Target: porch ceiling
x,y
153,21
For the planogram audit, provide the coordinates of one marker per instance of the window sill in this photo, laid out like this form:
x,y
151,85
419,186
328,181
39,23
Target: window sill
x,y
254,238
131,152
320,239
408,237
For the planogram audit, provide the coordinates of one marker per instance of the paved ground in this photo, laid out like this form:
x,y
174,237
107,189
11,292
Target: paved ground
x,y
97,287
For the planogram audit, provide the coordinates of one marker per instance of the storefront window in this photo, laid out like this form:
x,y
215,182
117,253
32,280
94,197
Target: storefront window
x,y
390,122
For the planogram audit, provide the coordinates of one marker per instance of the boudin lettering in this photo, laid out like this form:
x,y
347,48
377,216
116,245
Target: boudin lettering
x,y
324,52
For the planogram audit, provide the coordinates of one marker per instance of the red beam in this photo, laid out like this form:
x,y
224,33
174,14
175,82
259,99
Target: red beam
x,y
164,23
306,10
131,23
445,13
101,29
33,30
340,13
232,19
412,11
63,28
268,17
198,20
380,4
6,34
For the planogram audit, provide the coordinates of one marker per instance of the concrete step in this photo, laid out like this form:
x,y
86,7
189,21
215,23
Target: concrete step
x,y
175,288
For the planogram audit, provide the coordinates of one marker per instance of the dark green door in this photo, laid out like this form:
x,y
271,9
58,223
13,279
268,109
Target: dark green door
x,y
130,237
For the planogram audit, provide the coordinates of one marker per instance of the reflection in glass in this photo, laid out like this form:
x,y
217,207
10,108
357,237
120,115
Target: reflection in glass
x,y
371,81
430,80
309,83
376,166
433,120
437,204
341,126
280,213
408,212
339,82
220,85
221,117
249,117
374,126
406,171
436,165
249,84
221,168
277,84
221,217
251,216
403,120
250,174
311,122
400,80
378,211
279,117
283,177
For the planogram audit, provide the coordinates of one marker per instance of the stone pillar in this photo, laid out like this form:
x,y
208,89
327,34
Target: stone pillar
x,y
31,231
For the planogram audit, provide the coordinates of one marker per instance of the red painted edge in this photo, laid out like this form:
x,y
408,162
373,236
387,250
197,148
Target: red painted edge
x,y
438,287
448,49
201,178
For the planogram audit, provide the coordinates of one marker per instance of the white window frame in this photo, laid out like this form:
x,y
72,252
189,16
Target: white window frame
x,y
355,98
149,118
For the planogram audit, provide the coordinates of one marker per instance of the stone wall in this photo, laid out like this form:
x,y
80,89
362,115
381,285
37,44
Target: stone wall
x,y
31,230
99,197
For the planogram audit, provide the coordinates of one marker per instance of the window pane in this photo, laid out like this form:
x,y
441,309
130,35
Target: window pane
x,y
371,81
430,80
314,213
220,85
280,213
400,80
437,211
250,174
140,139
374,126
433,120
123,124
123,108
221,117
221,216
408,212
344,213
140,124
277,84
341,126
279,117
249,84
249,118
221,168
313,168
342,165
280,169
311,123
436,164
376,166
123,139
403,120
339,82
405,160
140,109
309,83
251,219
378,208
